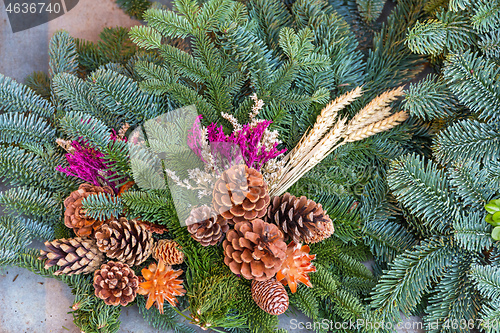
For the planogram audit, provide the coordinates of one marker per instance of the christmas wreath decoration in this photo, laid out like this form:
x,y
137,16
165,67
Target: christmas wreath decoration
x,y
204,171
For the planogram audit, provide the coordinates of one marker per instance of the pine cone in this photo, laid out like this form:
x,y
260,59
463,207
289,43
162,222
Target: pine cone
x,y
153,227
116,283
124,240
301,219
270,296
78,255
255,250
74,216
240,194
168,251
205,226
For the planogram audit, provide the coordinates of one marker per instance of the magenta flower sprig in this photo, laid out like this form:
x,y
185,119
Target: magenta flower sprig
x,y
87,163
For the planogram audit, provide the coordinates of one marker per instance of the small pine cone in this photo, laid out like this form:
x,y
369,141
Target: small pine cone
x,y
270,296
300,219
74,216
241,194
116,283
168,251
78,255
153,227
255,250
124,240
205,226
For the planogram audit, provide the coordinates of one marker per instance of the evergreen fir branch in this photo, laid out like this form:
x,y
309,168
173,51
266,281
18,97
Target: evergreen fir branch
x,y
146,37
305,300
14,238
490,314
212,13
62,54
18,128
411,276
472,232
23,167
424,190
168,23
324,283
114,46
102,206
347,305
457,5
121,95
150,206
472,184
487,15
77,94
487,280
429,99
169,320
387,238
15,97
39,82
134,8
32,202
370,10
271,17
455,300
391,63
490,44
78,125
467,140
472,79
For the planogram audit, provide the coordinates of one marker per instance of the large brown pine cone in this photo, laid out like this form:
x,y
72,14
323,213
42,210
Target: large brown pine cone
x,y
116,283
78,255
240,194
301,219
255,250
127,241
74,216
168,251
205,226
270,296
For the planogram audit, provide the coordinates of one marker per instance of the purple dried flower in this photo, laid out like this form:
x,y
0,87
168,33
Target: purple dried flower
x,y
88,164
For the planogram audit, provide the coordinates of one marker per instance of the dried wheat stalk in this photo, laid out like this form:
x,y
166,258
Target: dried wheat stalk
x,y
374,111
380,126
324,122
372,119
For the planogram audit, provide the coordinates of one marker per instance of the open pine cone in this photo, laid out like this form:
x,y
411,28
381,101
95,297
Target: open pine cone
x,y
270,296
168,251
78,255
74,216
240,194
127,241
116,283
205,226
255,250
301,219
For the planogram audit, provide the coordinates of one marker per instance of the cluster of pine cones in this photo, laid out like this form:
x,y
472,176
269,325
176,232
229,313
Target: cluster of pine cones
x,y
255,227
127,242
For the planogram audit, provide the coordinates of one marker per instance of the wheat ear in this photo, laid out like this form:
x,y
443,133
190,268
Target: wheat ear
x,y
308,161
323,123
374,111
377,127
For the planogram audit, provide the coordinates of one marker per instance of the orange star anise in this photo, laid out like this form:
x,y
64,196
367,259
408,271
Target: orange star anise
x,y
160,283
296,266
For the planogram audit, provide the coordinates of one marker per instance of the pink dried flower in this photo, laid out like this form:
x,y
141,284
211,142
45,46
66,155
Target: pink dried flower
x,y
87,163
